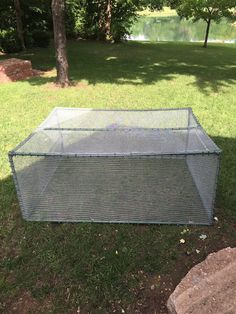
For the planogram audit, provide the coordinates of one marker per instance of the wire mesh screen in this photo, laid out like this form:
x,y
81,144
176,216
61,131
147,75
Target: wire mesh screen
x,y
153,166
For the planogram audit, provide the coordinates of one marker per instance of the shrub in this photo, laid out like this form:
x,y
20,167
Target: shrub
x,y
9,41
29,41
41,38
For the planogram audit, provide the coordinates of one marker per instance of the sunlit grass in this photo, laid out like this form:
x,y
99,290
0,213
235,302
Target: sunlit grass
x,y
162,13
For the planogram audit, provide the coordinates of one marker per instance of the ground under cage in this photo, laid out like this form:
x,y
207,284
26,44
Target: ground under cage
x,y
134,166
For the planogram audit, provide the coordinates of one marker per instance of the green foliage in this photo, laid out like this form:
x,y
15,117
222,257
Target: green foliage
x,y
153,4
36,15
206,9
9,41
7,19
29,41
41,38
124,14
93,18
73,18
88,19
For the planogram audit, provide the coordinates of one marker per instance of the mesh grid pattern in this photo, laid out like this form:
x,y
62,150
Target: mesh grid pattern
x,y
117,166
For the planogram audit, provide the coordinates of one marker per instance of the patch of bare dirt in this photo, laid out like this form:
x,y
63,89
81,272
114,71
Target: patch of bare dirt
x,y
23,304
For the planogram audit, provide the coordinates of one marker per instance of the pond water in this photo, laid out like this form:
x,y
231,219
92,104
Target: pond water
x,y
172,28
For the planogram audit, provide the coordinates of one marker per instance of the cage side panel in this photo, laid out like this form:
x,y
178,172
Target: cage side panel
x,y
111,142
123,142
207,141
119,189
33,174
51,119
204,170
43,142
192,122
92,118
14,175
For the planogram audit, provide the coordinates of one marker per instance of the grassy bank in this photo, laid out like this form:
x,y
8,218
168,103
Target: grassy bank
x,y
58,268
163,13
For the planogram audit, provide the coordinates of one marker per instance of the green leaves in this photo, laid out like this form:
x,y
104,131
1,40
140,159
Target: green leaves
x,y
206,9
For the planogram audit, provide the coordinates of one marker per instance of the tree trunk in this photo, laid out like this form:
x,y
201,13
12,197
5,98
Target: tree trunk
x,y
58,11
101,27
19,25
108,21
207,33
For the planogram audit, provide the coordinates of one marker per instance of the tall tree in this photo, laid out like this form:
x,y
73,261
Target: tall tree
x,y
19,24
58,12
108,21
207,10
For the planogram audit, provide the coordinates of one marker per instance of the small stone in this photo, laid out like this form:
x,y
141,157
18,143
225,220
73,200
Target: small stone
x,y
184,231
203,236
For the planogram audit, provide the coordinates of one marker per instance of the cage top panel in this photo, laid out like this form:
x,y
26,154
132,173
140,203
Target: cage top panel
x,y
117,142
80,118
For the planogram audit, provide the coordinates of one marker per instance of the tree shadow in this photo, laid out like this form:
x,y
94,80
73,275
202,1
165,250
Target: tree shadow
x,y
143,63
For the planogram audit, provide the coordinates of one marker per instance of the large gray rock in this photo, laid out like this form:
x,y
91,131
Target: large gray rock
x,y
209,287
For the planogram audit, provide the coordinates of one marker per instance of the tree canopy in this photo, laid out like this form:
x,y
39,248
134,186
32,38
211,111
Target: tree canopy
x,y
207,10
93,19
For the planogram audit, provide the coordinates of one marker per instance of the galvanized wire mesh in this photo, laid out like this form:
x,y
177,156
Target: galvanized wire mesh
x,y
153,166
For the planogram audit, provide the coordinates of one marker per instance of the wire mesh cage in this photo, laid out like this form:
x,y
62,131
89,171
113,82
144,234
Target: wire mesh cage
x,y
134,166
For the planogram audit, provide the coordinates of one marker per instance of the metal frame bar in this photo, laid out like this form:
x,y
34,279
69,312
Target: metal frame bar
x,y
132,110
127,222
112,154
118,129
215,187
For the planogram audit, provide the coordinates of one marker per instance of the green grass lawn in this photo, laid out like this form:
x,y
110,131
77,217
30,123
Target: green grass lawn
x,y
101,268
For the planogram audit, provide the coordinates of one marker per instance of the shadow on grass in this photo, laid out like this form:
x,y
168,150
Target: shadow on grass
x,y
101,265
143,63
